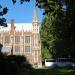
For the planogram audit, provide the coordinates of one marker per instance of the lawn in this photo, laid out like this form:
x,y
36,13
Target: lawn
x,y
53,71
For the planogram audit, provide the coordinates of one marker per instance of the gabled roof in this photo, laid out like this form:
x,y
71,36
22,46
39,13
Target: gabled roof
x,y
18,27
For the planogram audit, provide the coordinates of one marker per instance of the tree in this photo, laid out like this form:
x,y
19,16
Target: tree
x,y
45,39
3,20
58,28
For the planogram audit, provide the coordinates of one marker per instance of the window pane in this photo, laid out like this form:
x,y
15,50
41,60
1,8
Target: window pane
x,y
27,39
7,39
17,39
17,48
27,48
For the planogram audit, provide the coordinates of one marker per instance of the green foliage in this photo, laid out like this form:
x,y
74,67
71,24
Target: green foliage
x,y
3,11
46,53
46,34
58,28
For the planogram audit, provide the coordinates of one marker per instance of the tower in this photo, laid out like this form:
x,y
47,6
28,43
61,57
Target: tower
x,y
35,20
35,23
36,38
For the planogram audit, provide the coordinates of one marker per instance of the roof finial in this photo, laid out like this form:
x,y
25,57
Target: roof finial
x,y
35,17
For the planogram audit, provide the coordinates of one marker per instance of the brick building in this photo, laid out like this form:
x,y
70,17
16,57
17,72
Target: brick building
x,y
22,39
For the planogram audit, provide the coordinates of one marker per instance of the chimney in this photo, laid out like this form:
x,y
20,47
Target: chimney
x,y
12,27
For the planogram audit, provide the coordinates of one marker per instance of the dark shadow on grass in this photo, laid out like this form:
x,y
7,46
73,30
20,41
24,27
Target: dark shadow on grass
x,y
18,65
14,64
54,71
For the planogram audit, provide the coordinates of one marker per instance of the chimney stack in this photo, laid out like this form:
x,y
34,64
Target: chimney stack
x,y
12,27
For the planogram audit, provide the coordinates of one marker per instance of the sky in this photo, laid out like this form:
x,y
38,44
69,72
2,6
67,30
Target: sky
x,y
21,13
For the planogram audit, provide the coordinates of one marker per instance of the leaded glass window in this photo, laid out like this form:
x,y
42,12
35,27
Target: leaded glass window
x,y
17,39
27,49
17,48
7,39
27,39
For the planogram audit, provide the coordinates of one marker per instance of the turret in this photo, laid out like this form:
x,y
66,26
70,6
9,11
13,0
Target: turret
x,y
35,20
35,28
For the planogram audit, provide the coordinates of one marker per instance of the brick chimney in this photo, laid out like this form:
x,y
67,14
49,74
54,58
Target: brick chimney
x,y
12,27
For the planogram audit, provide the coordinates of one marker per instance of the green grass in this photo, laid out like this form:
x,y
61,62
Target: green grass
x,y
53,71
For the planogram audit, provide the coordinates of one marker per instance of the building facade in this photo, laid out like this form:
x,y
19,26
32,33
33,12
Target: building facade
x,y
22,39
